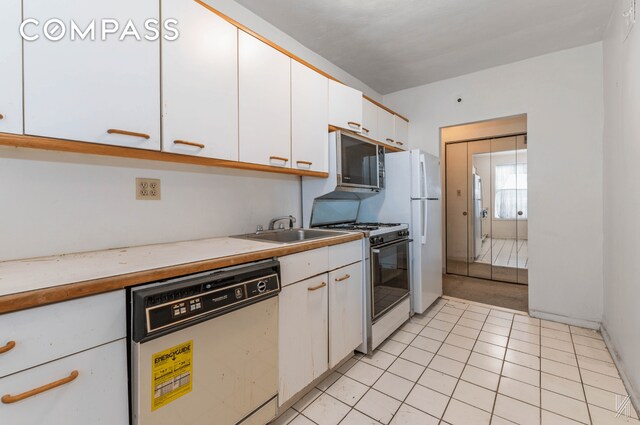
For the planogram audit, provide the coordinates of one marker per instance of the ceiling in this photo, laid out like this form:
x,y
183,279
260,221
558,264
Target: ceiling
x,y
391,45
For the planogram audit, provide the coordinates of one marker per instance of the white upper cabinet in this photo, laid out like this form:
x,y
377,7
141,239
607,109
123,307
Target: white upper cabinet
x,y
345,107
11,69
265,103
200,83
93,90
386,132
309,119
401,132
369,119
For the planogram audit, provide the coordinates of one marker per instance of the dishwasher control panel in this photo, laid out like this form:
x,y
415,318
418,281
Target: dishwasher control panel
x,y
165,306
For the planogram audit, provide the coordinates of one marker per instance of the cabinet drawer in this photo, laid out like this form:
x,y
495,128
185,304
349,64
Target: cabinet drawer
x,y
296,267
47,333
344,254
98,395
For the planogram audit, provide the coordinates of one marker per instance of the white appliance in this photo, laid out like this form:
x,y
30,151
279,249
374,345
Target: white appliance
x,y
413,195
204,348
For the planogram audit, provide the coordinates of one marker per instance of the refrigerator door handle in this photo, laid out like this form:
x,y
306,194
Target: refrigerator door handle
x,y
423,222
423,173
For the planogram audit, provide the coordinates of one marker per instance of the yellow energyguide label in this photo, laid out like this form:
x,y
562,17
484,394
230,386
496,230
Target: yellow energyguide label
x,y
171,375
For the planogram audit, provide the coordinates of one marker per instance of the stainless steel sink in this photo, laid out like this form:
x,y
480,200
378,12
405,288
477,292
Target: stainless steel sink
x,y
289,236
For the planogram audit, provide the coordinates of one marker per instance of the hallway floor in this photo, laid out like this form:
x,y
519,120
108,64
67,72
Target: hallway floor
x,y
470,364
500,294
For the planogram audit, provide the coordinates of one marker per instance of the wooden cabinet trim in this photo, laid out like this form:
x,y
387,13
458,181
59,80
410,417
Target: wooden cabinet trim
x,y
36,298
286,52
61,145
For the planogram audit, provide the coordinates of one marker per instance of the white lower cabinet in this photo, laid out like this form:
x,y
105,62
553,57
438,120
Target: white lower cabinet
x,y
97,395
303,352
345,312
321,316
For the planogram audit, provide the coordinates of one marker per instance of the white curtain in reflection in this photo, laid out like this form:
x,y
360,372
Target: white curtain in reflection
x,y
511,191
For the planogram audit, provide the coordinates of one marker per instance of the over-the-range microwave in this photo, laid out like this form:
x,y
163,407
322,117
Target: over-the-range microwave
x,y
360,164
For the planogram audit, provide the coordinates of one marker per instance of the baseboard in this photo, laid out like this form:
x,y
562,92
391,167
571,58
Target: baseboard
x,y
635,397
564,319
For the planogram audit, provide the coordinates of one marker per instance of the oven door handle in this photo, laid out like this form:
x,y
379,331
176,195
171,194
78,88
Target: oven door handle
x,y
377,249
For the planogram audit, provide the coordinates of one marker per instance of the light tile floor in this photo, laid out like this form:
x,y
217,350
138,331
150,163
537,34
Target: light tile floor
x,y
464,363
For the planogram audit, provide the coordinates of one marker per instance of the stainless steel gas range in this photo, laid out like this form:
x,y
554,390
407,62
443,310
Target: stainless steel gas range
x,y
387,290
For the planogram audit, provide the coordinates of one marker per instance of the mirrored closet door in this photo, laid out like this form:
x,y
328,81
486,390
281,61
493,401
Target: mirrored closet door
x,y
486,189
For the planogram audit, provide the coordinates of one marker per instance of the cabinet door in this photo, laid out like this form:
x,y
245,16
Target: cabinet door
x,y
303,334
265,103
309,119
345,311
369,119
11,70
386,131
200,84
401,128
345,107
98,395
81,89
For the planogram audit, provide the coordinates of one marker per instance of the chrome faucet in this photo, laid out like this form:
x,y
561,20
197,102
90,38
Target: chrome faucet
x,y
273,221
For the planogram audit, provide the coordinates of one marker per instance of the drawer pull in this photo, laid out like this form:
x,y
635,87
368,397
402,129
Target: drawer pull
x,y
400,143
8,399
279,158
128,133
345,277
315,288
390,140
184,142
366,130
305,163
1,117
354,124
7,347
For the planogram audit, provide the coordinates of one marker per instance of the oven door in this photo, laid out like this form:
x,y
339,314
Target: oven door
x,y
358,163
390,278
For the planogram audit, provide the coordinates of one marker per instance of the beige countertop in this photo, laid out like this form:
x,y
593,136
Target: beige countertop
x,y
38,281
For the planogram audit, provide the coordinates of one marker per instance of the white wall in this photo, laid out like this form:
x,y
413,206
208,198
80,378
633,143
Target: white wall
x,y
55,203
562,95
622,197
265,29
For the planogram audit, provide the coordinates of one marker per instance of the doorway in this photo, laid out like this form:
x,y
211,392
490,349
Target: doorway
x,y
486,203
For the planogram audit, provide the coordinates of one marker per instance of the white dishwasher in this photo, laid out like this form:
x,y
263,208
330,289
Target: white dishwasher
x,y
204,348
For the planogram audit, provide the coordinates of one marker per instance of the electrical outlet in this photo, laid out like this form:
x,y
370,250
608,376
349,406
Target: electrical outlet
x,y
147,189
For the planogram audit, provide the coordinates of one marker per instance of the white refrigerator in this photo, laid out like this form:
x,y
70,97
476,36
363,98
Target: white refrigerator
x,y
412,194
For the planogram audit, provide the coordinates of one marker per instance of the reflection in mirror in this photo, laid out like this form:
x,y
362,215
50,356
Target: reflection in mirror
x,y
479,183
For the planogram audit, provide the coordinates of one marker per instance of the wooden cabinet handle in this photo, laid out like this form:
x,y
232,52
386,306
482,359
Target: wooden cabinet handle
x,y
315,288
7,347
8,399
390,140
366,130
354,124
128,133
1,117
279,158
304,162
345,277
184,142
400,143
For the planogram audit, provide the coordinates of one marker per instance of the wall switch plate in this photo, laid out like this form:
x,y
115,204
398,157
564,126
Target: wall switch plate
x,y
147,189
